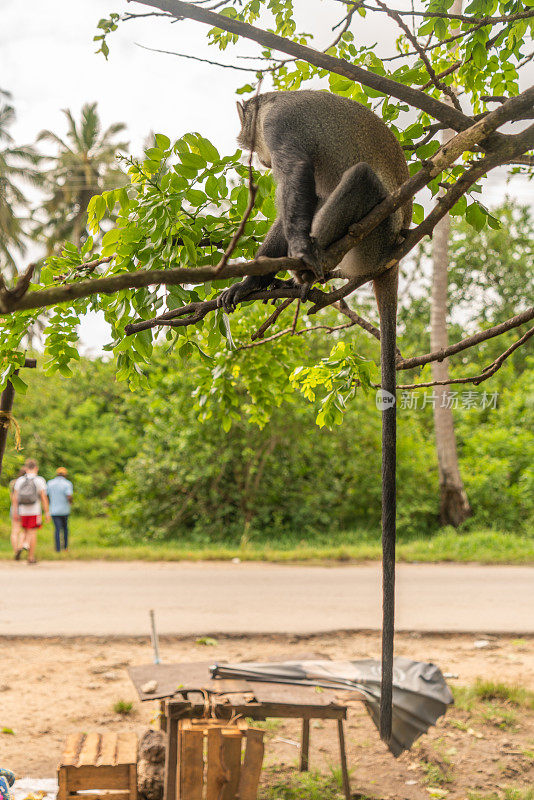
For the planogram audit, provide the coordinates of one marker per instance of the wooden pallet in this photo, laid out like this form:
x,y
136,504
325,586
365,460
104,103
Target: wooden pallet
x,y
210,763
101,765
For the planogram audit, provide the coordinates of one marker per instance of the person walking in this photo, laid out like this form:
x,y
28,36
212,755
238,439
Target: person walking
x,y
60,496
29,499
16,530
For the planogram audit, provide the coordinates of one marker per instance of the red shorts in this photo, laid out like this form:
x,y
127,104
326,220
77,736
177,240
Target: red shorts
x,y
31,522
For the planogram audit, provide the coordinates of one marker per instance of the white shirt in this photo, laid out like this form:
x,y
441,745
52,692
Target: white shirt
x,y
33,510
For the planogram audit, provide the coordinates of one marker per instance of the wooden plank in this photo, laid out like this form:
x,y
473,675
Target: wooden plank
x,y
72,749
102,795
343,756
108,750
126,748
191,763
169,678
251,769
232,740
294,695
305,746
133,781
62,783
171,761
162,716
95,778
178,709
217,775
90,750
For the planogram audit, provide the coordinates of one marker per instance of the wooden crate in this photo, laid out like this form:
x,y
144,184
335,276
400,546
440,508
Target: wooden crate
x,y
102,765
214,765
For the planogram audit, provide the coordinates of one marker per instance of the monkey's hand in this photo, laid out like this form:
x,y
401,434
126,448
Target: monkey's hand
x,y
238,292
308,252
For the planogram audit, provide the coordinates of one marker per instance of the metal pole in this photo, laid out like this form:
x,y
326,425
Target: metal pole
x,y
154,636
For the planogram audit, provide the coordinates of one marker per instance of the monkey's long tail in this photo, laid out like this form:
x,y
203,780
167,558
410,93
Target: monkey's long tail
x,y
386,294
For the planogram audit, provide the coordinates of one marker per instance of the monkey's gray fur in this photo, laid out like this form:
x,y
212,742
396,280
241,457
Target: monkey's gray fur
x,y
333,160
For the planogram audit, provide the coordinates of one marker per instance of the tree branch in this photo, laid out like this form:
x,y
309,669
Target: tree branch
x,y
486,373
450,116
511,147
480,21
356,319
470,341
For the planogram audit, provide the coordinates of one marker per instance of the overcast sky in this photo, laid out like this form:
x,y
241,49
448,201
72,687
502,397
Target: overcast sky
x,y
47,62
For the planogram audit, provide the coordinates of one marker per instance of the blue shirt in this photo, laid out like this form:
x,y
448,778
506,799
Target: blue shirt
x,y
59,490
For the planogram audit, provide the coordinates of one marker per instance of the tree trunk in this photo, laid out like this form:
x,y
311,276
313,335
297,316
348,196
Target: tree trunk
x,y
6,407
454,505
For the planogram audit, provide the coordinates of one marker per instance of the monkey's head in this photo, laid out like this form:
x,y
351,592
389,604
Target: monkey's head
x,y
251,134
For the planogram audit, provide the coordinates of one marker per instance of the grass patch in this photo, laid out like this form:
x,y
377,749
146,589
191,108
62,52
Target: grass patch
x,y
482,691
270,725
123,707
500,716
510,793
301,786
516,695
435,775
93,539
458,724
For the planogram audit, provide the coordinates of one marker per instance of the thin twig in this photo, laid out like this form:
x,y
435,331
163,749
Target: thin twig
x,y
252,191
295,318
461,17
203,60
289,331
423,56
346,25
271,319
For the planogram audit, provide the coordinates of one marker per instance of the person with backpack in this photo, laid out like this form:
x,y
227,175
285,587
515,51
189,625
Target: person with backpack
x,y
16,530
29,499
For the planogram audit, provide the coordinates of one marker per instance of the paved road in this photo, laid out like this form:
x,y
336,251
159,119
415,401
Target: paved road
x,y
99,598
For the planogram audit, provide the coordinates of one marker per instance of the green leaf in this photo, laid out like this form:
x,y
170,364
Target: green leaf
x,y
110,237
196,197
418,214
18,384
124,200
162,142
208,150
475,216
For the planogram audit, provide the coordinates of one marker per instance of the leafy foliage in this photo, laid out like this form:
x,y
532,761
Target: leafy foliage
x,y
85,164
16,163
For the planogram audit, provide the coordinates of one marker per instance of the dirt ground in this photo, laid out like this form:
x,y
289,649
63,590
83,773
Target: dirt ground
x,y
51,687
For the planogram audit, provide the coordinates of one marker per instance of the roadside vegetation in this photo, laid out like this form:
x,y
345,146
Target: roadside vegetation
x,y
223,458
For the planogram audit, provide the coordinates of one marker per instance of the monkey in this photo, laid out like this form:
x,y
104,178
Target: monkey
x,y
333,160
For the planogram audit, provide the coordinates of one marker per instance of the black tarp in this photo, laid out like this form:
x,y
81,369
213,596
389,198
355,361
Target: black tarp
x,y
420,694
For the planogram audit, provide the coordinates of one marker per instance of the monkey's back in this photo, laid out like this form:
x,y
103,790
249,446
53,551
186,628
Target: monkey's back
x,y
337,133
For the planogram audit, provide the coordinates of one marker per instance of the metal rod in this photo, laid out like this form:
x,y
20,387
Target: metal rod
x,y
154,636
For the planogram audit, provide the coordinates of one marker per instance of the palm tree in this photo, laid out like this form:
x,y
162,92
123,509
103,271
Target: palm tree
x,y
85,165
17,163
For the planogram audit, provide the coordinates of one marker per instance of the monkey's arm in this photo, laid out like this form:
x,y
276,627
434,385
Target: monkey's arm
x,y
274,246
293,171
